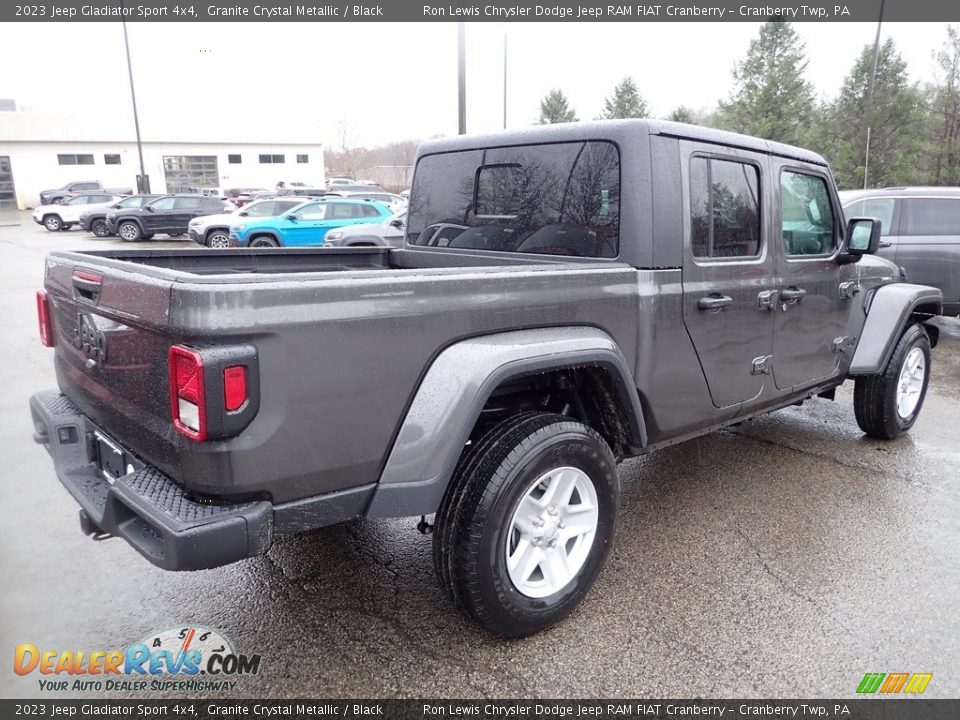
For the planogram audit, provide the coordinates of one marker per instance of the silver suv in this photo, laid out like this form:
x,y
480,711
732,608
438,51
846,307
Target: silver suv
x,y
920,233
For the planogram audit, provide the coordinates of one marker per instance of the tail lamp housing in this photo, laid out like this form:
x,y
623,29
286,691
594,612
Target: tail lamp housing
x,y
214,392
45,319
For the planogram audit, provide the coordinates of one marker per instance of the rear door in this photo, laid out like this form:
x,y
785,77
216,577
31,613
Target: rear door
x,y
185,209
811,313
928,247
156,216
727,269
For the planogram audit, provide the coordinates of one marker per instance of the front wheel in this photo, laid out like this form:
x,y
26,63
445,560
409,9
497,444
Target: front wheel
x,y
888,404
218,238
527,522
129,232
52,223
100,228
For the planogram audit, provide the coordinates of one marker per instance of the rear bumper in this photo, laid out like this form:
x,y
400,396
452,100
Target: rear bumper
x,y
145,507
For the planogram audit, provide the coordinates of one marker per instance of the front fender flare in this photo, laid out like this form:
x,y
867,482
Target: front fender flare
x,y
456,387
890,311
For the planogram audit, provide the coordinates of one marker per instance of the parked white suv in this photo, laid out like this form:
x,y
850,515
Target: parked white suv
x,y
66,214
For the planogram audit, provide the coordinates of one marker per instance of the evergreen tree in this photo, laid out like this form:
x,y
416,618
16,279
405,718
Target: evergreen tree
x,y
771,99
682,114
555,108
944,104
626,102
896,123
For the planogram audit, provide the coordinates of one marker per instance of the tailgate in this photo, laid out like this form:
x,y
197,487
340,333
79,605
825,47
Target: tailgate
x,y
111,341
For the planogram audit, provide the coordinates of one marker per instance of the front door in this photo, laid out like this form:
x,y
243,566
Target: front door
x,y
811,313
155,218
728,271
307,226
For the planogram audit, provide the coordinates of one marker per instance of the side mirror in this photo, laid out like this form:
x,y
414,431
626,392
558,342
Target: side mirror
x,y
293,217
863,236
150,208
397,224
244,214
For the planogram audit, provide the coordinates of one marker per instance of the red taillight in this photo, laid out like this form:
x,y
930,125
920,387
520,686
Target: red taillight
x,y
43,317
234,387
188,406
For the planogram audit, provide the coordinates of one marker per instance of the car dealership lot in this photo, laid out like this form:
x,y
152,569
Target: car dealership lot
x,y
783,557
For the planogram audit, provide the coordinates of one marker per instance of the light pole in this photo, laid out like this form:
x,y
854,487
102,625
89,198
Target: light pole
x,y
143,180
461,80
869,108
504,78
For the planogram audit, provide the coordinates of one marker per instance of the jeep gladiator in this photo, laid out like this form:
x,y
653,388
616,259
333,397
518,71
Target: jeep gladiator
x,y
612,288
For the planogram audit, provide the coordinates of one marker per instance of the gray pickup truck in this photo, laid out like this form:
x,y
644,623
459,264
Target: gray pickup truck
x,y
613,288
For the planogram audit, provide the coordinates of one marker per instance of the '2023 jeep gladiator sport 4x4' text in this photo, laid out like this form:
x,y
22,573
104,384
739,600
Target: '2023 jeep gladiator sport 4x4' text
x,y
611,288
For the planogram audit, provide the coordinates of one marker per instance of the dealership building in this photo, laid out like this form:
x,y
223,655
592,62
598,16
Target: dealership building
x,y
39,151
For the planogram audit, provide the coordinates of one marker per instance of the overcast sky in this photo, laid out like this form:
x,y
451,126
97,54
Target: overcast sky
x,y
386,82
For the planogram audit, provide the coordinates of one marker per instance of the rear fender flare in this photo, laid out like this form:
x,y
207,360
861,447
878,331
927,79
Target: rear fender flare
x,y
891,310
457,385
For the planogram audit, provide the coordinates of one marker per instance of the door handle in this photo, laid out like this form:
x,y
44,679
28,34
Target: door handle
x,y
885,244
714,302
792,293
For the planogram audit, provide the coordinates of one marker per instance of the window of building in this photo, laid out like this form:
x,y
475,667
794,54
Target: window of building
x,y
274,159
109,159
303,159
74,159
553,199
724,208
234,159
806,218
190,173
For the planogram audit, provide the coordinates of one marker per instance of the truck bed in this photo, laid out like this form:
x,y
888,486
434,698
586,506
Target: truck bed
x,y
343,337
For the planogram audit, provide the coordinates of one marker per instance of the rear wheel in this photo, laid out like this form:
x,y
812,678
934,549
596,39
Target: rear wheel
x,y
100,228
129,232
888,404
527,522
218,238
52,222
263,241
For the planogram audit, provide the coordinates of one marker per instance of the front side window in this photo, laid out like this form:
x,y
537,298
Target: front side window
x,y
261,209
78,200
551,199
724,208
881,208
163,204
806,216
932,216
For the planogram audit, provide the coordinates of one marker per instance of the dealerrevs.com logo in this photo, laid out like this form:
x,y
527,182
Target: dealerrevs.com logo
x,y
184,659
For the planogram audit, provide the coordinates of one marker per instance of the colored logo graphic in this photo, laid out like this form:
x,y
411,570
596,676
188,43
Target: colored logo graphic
x,y
179,651
894,683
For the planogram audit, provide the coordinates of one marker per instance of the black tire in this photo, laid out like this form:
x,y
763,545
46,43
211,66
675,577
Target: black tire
x,y
473,525
875,396
129,231
263,241
52,222
175,235
218,238
100,228
147,237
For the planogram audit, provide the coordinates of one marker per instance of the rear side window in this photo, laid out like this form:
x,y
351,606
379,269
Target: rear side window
x,y
554,199
369,211
881,208
806,217
931,216
724,208
188,203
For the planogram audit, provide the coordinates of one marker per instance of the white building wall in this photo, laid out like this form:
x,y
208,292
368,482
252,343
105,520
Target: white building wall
x,y
35,165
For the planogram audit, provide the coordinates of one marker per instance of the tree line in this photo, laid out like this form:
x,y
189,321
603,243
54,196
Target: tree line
x,y
914,128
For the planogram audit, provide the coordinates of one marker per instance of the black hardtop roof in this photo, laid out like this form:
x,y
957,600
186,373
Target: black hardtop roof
x,y
619,131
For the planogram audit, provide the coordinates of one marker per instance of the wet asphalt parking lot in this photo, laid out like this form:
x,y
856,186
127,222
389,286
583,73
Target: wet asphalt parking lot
x,y
784,557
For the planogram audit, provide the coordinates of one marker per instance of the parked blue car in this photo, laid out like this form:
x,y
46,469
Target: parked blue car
x,y
307,223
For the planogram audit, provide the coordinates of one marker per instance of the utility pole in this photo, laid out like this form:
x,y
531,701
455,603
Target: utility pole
x,y
869,108
504,78
461,79
143,180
